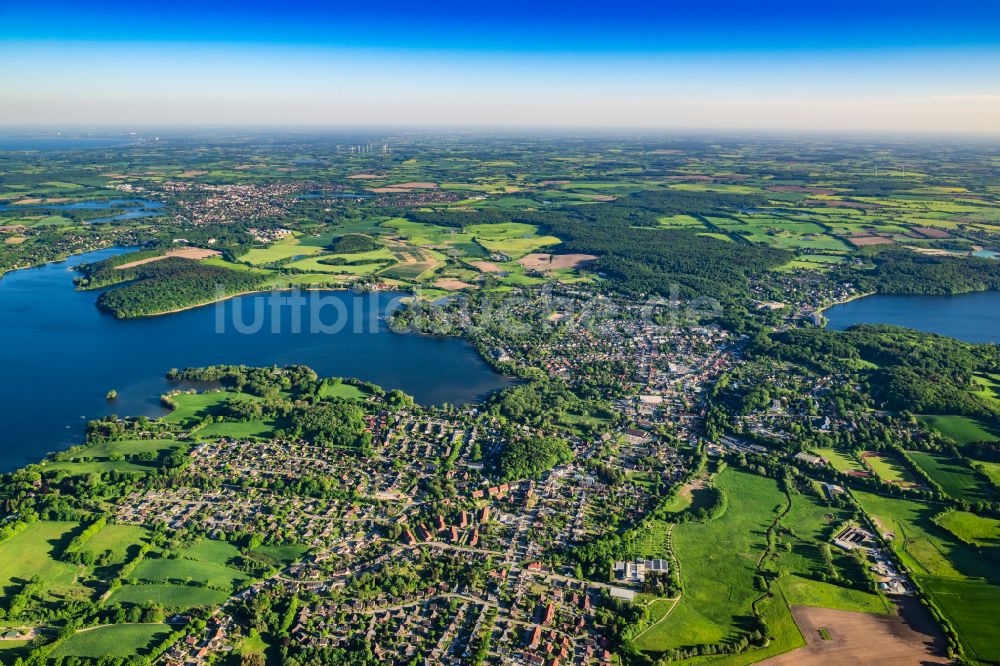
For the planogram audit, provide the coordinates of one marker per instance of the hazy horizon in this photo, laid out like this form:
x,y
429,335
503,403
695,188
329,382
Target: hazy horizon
x,y
845,67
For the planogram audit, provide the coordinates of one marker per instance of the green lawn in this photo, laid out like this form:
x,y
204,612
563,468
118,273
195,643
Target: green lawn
x,y
962,429
957,480
972,528
117,539
801,591
98,466
117,640
174,597
126,447
192,407
842,461
29,553
889,468
184,570
285,554
717,564
342,390
211,550
240,429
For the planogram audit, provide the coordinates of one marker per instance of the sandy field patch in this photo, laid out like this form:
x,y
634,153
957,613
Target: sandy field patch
x,y
364,176
859,241
389,190
550,262
191,174
935,252
15,240
183,253
909,637
451,284
486,266
35,202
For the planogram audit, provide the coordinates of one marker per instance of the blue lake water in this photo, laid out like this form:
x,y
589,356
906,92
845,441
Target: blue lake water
x,y
971,317
60,355
134,208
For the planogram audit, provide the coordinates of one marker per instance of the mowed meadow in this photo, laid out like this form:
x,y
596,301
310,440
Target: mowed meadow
x,y
762,533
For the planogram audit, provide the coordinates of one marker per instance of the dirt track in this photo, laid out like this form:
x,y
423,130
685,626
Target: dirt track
x,y
906,639
551,262
185,253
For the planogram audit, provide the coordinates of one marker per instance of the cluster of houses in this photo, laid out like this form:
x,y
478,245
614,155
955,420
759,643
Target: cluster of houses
x,y
206,203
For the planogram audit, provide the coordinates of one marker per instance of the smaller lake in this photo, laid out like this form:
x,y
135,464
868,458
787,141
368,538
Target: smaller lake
x,y
970,317
135,208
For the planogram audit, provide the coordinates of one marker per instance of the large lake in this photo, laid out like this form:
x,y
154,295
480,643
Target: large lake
x,y
970,317
60,355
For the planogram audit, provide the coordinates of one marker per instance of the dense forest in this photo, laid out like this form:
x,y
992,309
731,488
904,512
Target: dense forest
x,y
107,272
172,284
907,370
354,243
643,258
528,457
901,271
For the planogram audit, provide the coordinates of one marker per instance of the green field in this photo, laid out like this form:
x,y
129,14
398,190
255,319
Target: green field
x,y
117,640
990,469
962,429
801,591
185,571
963,580
126,447
285,554
240,429
972,607
29,553
842,461
343,391
972,528
193,407
717,564
117,539
957,480
174,597
286,248
718,561
211,550
513,239
98,466
889,468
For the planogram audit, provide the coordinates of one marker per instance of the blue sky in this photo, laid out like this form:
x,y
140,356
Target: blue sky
x,y
772,65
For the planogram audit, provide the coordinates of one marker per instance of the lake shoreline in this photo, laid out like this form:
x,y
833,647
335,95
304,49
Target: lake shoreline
x,y
972,317
55,330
